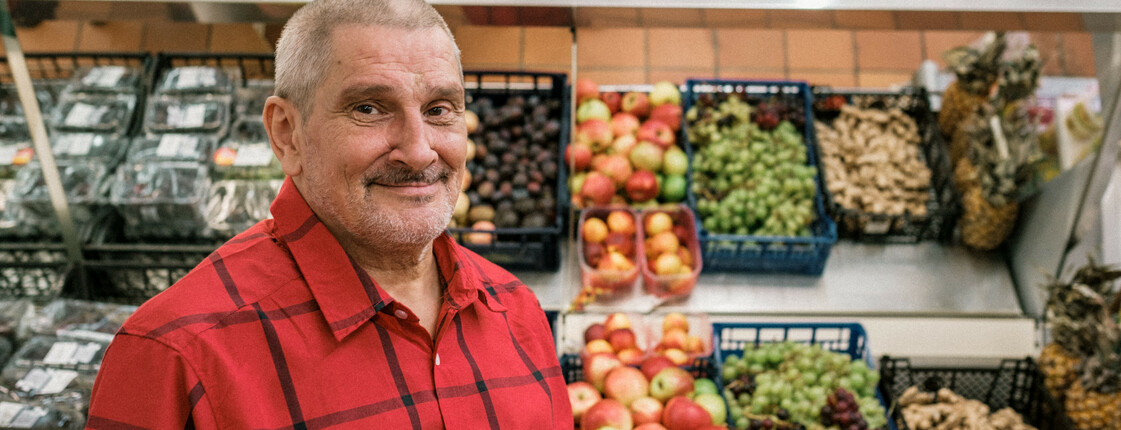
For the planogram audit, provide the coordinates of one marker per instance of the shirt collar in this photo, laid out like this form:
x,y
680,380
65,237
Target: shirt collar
x,y
345,293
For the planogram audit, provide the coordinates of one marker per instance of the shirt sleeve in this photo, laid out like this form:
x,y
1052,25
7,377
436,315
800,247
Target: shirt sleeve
x,y
144,383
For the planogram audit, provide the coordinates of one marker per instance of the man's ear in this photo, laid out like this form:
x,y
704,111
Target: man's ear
x,y
283,123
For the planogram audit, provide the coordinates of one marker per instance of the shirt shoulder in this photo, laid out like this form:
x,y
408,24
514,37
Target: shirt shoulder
x,y
241,272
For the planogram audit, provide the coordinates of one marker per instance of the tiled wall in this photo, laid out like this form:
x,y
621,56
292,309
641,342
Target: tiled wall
x,y
842,48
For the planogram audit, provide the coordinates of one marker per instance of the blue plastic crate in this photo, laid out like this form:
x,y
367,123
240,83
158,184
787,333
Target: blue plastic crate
x,y
767,254
734,338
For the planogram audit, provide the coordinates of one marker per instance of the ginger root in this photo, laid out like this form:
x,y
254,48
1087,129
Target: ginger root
x,y
949,411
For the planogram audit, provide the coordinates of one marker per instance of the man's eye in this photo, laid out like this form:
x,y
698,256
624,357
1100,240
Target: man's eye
x,y
438,111
366,109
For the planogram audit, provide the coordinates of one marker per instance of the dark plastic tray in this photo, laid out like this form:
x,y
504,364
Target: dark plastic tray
x,y
1014,383
943,206
524,248
727,252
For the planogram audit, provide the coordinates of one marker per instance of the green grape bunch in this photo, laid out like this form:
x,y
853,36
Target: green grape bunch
x,y
789,384
749,180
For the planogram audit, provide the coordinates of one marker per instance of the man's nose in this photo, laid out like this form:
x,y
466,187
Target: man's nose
x,y
411,143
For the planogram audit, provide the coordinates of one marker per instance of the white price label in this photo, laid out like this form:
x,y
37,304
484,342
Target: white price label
x,y
74,144
7,155
188,78
8,412
33,380
58,381
79,114
253,155
28,417
61,353
105,76
85,353
177,145
190,116
95,336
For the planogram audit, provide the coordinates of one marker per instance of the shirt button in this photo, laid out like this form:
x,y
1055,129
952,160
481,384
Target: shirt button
x,y
437,359
401,314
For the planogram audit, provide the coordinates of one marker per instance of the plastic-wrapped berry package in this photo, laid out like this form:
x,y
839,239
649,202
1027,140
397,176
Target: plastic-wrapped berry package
x,y
12,313
111,78
246,153
59,353
203,114
105,148
61,413
83,181
235,205
78,320
249,102
109,113
198,80
161,199
171,147
47,93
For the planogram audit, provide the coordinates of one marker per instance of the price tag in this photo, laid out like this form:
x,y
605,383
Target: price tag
x,y
33,380
28,417
95,336
85,353
177,145
188,78
208,77
105,76
74,144
253,156
190,116
59,379
7,155
8,412
61,353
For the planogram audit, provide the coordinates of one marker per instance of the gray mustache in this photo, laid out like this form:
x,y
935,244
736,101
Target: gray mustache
x,y
405,175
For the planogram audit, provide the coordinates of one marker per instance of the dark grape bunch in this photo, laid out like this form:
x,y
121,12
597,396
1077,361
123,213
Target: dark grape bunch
x,y
842,410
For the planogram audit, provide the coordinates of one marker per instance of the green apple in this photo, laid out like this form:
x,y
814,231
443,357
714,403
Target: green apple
x,y
675,162
665,92
593,109
673,188
714,404
704,385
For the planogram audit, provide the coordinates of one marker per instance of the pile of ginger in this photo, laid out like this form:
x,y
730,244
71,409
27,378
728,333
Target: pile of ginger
x,y
949,411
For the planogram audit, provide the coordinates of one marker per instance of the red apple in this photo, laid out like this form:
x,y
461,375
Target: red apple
x,y
646,410
607,413
675,320
593,253
670,381
624,123
598,188
677,356
647,156
616,167
597,346
683,233
630,356
652,365
625,384
669,114
620,243
615,261
686,258
694,345
651,426
642,186
620,222
582,396
653,224
578,156
594,332
635,103
683,414
657,132
586,89
674,338
622,339
616,321
595,133
623,144
597,366
611,99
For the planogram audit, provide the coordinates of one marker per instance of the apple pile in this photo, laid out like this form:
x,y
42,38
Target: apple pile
x,y
511,173
608,250
676,342
625,146
658,395
670,253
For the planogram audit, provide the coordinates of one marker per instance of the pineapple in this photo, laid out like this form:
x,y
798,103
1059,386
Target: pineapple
x,y
989,179
977,70
1084,362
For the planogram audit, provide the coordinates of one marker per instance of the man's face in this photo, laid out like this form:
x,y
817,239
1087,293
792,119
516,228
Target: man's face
x,y
385,143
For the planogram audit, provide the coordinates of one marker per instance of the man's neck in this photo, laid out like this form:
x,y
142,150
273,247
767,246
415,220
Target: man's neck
x,y
410,276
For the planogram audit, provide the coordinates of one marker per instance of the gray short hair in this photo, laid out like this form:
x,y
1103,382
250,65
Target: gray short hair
x,y
304,48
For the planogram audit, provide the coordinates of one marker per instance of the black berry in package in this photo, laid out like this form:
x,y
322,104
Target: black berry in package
x,y
235,205
161,199
113,79
59,353
206,114
171,147
109,113
54,414
105,148
246,153
78,320
83,181
197,80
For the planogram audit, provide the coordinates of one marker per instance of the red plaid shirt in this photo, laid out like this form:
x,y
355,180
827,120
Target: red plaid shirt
x,y
279,329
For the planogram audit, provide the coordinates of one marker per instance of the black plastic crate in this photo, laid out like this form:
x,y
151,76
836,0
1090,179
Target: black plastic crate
x,y
253,67
523,248
942,206
1014,383
34,270
737,253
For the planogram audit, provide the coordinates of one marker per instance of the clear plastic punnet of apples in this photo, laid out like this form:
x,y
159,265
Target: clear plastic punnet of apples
x,y
625,148
608,247
624,387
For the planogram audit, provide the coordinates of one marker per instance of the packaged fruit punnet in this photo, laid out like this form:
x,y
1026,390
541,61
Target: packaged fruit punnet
x,y
690,334
813,375
756,188
626,335
671,257
509,210
608,247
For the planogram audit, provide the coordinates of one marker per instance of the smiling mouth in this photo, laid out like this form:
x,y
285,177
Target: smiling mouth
x,y
406,178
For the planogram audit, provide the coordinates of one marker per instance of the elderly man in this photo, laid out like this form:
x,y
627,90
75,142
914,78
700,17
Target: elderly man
x,y
352,308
